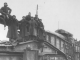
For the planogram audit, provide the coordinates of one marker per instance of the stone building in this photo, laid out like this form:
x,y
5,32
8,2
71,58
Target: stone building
x,y
34,43
77,50
53,46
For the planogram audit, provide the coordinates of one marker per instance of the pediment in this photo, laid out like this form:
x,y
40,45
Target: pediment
x,y
47,49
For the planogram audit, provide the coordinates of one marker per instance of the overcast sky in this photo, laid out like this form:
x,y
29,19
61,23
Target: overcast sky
x,y
64,14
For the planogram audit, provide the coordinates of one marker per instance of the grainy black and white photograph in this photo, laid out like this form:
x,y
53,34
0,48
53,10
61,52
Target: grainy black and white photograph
x,y
39,29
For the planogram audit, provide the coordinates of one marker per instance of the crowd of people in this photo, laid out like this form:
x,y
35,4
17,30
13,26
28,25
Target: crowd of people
x,y
28,26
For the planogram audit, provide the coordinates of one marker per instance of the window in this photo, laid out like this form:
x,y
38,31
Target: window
x,y
79,48
53,40
35,32
47,37
46,57
56,58
58,43
76,49
62,47
52,58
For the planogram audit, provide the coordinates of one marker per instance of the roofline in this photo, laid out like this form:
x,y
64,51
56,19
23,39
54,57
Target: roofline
x,y
50,45
5,45
58,36
28,42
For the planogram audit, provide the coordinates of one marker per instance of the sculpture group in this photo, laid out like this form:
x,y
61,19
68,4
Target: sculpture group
x,y
21,30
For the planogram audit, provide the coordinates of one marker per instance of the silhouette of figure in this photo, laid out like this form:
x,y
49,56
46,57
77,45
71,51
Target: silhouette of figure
x,y
28,17
33,25
24,28
40,27
12,28
5,11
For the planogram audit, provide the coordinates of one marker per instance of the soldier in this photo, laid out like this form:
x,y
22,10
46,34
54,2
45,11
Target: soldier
x,y
41,24
28,17
5,11
12,29
40,27
23,26
36,17
33,28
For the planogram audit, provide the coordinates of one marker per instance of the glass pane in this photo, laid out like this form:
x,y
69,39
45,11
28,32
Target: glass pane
x,y
53,40
62,47
57,43
47,37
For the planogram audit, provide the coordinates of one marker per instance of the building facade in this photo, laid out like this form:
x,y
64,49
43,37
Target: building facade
x,y
54,46
38,44
77,50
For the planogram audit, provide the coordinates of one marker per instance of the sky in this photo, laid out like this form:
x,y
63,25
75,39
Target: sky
x,y
55,14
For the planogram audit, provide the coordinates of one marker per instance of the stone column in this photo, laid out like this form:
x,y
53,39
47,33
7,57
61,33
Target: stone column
x,y
30,54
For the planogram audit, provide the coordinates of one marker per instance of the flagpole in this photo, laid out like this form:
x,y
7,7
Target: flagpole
x,y
37,10
58,24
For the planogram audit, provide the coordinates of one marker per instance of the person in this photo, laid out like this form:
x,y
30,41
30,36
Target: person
x,y
33,28
28,17
5,11
12,29
41,24
40,27
24,28
36,17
